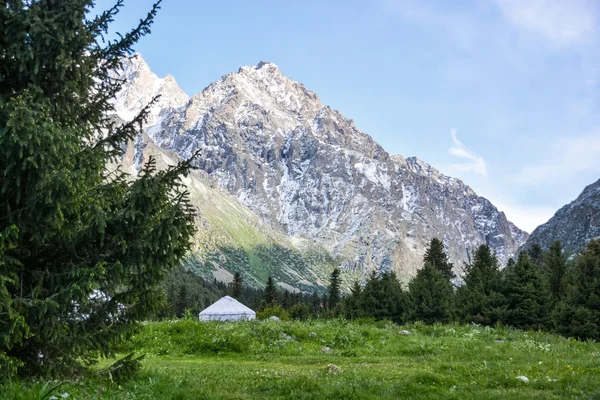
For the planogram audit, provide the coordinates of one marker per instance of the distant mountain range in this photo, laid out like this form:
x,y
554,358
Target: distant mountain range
x,y
288,187
574,224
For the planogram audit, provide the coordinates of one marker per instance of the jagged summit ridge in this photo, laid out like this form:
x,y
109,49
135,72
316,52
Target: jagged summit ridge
x,y
307,171
141,86
575,224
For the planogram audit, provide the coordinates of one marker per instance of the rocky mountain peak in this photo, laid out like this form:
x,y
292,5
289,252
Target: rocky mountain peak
x,y
141,86
307,172
574,225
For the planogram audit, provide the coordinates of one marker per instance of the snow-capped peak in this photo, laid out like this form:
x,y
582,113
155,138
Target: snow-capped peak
x,y
141,86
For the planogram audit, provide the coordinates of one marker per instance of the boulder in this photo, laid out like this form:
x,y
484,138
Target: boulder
x,y
404,332
326,349
333,369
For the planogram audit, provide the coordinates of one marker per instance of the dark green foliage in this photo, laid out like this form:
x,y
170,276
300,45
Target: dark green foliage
x,y
275,310
536,254
527,297
436,256
122,370
480,298
82,247
555,268
431,296
351,304
334,288
270,292
182,301
237,286
381,298
578,314
300,311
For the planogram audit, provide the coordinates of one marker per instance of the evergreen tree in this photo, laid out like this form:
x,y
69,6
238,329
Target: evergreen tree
x,y
182,301
382,298
334,288
437,257
300,311
536,254
352,303
480,298
578,314
324,302
526,296
431,296
237,286
82,246
315,302
270,292
555,264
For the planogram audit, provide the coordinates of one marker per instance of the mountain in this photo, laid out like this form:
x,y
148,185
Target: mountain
x,y
304,174
574,224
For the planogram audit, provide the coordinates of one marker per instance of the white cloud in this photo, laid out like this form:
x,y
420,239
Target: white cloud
x,y
562,22
475,163
565,158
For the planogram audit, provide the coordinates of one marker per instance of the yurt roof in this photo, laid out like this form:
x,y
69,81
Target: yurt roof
x,y
227,306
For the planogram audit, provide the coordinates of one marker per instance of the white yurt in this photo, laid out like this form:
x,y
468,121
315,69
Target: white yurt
x,y
227,309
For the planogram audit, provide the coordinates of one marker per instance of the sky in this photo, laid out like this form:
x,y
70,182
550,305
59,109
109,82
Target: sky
x,y
503,94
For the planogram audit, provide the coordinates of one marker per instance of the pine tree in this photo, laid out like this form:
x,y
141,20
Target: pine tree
x,y
431,296
182,301
480,298
352,303
526,295
334,288
437,257
555,264
315,302
270,292
237,286
82,246
578,314
536,254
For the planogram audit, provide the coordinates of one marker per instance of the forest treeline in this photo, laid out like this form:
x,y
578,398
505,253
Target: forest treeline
x,y
541,290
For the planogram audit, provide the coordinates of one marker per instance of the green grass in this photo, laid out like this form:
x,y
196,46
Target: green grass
x,y
270,360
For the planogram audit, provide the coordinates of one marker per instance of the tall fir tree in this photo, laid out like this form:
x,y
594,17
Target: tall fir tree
x,y
555,269
527,296
578,314
334,288
352,303
182,301
536,254
82,246
270,292
431,296
480,298
437,257
237,286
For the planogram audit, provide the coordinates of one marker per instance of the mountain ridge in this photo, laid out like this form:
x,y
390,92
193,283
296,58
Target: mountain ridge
x,y
574,224
306,171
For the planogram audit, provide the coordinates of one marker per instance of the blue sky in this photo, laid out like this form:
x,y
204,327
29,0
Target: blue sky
x,y
503,94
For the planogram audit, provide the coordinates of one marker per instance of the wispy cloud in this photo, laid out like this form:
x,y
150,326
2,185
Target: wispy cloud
x,y
474,163
566,157
561,22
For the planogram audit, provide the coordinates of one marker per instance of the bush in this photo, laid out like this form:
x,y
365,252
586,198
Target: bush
x,y
273,311
300,312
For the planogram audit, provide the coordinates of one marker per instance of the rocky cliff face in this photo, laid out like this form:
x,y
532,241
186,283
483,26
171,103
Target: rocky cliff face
x,y
306,172
574,224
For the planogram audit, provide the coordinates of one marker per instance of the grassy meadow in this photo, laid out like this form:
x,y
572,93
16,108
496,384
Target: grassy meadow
x,y
367,360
